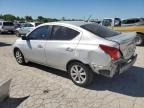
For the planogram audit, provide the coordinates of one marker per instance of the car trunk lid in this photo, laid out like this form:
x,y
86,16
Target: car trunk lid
x,y
126,42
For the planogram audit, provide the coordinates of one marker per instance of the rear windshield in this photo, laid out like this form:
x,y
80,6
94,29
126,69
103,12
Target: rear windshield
x,y
100,31
8,24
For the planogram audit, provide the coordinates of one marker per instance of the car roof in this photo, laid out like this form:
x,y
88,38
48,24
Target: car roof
x,y
75,23
132,18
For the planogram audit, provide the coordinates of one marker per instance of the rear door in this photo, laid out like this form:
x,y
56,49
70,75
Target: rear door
x,y
61,46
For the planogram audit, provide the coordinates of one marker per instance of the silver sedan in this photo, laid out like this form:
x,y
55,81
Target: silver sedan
x,y
80,48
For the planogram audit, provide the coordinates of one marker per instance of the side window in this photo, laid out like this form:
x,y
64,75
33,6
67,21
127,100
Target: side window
x,y
29,25
0,23
137,20
63,33
40,33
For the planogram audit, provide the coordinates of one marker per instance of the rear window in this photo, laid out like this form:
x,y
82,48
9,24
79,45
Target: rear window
x,y
36,24
8,24
100,31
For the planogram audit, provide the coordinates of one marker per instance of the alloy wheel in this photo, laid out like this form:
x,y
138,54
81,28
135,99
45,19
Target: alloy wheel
x,y
19,57
78,74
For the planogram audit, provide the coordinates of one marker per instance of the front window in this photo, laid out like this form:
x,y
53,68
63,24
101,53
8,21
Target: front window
x,y
100,31
40,33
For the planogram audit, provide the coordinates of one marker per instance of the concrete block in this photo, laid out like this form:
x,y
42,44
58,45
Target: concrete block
x,y
4,90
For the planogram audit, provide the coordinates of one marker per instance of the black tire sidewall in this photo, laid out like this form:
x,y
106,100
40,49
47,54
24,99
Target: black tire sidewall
x,y
142,38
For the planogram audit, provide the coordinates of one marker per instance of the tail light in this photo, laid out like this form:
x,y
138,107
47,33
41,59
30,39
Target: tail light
x,y
114,53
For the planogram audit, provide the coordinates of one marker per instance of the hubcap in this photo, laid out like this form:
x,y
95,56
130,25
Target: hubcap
x,y
138,40
78,74
18,56
17,34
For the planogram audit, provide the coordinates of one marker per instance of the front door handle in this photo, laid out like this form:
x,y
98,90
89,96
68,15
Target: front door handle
x,y
40,46
69,49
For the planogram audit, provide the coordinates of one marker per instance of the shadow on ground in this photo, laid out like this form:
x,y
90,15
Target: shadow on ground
x,y
50,70
12,102
2,44
130,83
7,33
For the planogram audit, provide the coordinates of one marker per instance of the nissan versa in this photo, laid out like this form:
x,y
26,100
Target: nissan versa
x,y
78,47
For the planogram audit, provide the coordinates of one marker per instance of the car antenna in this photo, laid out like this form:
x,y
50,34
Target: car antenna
x,y
88,18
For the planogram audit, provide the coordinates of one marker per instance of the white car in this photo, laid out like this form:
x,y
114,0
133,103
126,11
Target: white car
x,y
80,48
25,28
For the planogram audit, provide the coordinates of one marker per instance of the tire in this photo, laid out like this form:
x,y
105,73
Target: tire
x,y
139,40
83,77
19,57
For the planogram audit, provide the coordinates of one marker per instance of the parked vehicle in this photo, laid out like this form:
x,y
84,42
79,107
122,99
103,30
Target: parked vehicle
x,y
133,22
127,25
25,28
80,48
6,27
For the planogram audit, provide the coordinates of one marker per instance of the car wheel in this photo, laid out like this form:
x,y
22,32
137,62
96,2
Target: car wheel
x,y
19,57
17,34
80,74
139,40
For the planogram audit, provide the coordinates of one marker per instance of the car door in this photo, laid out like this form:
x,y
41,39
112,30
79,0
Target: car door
x,y
61,46
34,47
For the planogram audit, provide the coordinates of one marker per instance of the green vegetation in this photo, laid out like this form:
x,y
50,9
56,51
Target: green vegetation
x,y
41,19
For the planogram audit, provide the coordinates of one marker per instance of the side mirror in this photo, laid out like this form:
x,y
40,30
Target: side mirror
x,y
24,38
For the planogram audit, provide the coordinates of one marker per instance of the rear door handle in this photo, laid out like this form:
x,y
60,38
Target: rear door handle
x,y
40,46
69,49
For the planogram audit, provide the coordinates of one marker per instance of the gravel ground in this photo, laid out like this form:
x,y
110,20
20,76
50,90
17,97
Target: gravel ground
x,y
36,86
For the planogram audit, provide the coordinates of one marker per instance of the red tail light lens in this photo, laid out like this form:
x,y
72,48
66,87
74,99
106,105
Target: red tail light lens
x,y
111,51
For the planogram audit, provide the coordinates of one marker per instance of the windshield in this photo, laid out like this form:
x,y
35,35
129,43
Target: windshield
x,y
26,25
100,31
107,22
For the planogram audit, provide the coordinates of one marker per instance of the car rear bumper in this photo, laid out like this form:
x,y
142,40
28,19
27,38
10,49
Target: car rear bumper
x,y
116,67
126,65
7,30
